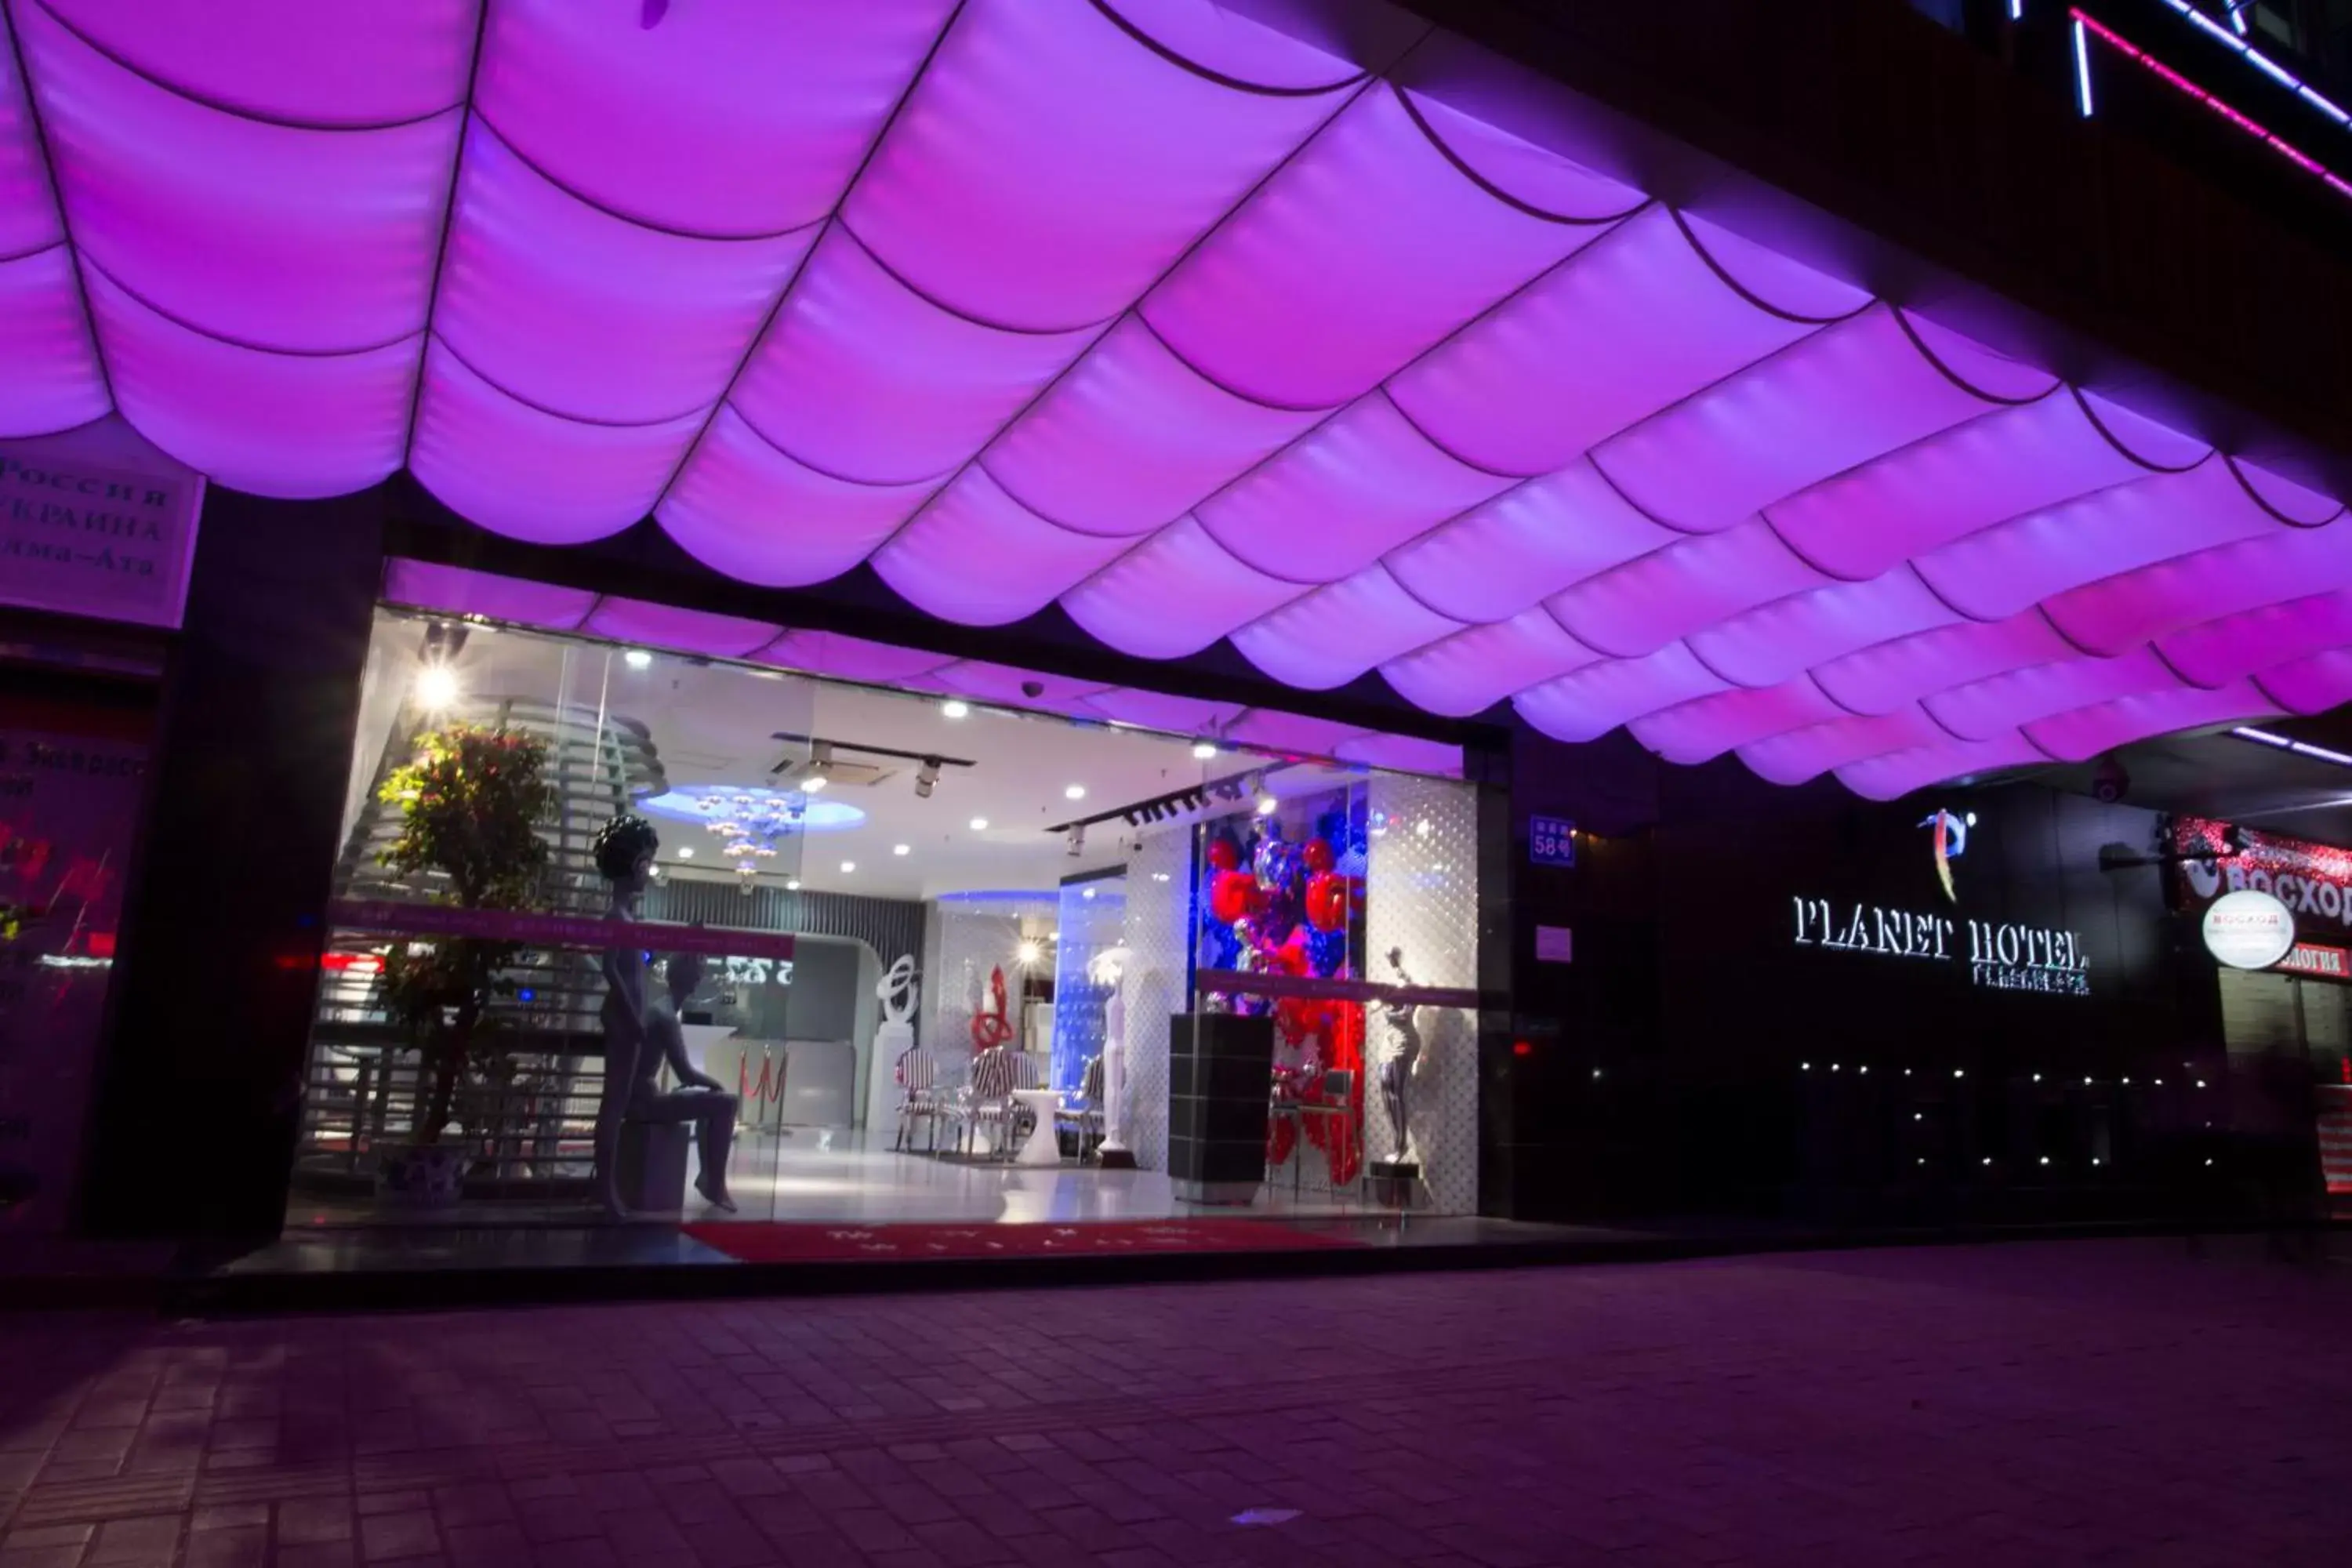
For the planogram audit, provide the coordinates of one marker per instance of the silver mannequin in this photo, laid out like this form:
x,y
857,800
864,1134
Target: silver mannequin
x,y
639,1037
1396,1073
699,1097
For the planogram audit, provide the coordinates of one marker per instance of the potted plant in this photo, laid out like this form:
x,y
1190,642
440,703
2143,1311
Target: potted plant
x,y
470,804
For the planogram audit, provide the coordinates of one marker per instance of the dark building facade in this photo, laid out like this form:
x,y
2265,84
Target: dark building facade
x,y
1741,1000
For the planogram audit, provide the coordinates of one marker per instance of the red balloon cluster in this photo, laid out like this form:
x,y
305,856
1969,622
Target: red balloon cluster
x,y
1326,900
1233,895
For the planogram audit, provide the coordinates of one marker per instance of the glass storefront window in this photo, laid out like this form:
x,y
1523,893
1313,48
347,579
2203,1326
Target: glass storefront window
x,y
906,935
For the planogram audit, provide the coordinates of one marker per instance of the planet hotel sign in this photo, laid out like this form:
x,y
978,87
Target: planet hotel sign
x,y
2003,955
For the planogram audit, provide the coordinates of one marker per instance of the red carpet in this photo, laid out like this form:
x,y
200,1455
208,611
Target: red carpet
x,y
901,1243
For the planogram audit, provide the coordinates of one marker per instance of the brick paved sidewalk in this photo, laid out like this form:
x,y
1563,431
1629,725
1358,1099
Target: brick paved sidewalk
x,y
2066,1403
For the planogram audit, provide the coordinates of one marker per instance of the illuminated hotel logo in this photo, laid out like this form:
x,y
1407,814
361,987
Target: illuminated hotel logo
x,y
1951,842
2001,955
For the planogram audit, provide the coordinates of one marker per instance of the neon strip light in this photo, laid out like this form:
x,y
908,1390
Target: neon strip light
x,y
2081,71
2286,743
2253,57
2122,46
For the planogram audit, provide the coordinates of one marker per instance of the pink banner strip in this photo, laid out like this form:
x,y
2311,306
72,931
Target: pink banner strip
x,y
553,931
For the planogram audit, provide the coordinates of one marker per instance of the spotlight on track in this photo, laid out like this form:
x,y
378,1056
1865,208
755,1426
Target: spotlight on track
x,y
925,777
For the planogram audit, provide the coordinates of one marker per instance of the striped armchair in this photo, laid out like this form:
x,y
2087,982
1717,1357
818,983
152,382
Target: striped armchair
x,y
1082,1112
987,1100
922,1097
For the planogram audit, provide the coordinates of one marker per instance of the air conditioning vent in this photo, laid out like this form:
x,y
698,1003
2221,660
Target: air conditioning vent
x,y
839,774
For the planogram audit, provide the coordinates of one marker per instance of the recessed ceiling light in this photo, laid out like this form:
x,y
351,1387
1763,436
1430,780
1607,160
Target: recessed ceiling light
x,y
1074,792
687,853
954,708
1029,953
980,824
1204,751
637,659
902,849
793,885
848,866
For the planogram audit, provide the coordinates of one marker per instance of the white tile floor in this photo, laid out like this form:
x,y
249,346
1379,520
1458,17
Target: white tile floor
x,y
819,1177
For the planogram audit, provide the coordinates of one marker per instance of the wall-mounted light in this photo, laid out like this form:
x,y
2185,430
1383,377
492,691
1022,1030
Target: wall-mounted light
x,y
438,686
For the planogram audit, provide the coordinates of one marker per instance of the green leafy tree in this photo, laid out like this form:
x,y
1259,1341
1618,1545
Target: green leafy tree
x,y
470,806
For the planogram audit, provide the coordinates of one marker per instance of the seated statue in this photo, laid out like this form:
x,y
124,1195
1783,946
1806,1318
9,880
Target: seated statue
x,y
640,1036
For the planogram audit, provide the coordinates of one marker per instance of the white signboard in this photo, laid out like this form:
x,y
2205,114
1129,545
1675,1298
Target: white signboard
x,y
2249,930
87,530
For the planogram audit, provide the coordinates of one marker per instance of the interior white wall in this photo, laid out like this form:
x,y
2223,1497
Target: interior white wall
x,y
1420,895
383,687
1158,939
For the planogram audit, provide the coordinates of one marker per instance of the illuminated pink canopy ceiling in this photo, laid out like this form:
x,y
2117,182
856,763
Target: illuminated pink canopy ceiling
x,y
452,591
1200,327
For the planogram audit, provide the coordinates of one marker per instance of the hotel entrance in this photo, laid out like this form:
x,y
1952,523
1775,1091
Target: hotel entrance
x,y
918,942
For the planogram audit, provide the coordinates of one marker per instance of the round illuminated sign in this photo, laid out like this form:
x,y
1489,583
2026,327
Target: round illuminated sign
x,y
2249,930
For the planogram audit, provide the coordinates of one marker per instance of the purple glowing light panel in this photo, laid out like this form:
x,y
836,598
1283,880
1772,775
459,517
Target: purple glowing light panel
x,y
1199,326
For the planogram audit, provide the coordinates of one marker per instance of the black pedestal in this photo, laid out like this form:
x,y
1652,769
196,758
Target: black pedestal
x,y
1220,1070
1393,1181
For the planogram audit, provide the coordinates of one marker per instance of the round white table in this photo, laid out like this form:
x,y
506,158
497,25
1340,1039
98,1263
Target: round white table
x,y
1042,1147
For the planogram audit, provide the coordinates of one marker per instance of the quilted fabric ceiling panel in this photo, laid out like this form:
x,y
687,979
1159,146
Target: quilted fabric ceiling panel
x,y
1201,328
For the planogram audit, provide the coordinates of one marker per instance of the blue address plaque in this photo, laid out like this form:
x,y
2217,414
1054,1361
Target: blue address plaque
x,y
1552,841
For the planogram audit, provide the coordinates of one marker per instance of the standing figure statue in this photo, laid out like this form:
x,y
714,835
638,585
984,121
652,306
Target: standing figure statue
x,y
1109,968
1396,1073
640,1036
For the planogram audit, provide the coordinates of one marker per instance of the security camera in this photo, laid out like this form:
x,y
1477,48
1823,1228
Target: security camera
x,y
2109,783
1032,689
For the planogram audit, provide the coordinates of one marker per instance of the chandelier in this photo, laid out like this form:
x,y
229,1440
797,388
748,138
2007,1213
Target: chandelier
x,y
750,822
